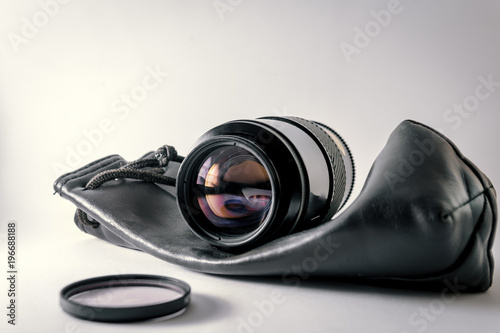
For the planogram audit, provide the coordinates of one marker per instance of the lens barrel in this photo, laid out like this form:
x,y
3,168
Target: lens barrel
x,y
247,182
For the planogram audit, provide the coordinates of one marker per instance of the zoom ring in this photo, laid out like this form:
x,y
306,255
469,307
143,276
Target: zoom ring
x,y
336,160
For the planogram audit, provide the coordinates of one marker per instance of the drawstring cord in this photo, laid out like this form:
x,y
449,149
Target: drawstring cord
x,y
133,170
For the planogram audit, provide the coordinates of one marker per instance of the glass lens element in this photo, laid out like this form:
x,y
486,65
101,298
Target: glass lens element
x,y
125,296
235,191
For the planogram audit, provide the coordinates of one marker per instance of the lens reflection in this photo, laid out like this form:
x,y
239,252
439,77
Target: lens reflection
x,y
235,190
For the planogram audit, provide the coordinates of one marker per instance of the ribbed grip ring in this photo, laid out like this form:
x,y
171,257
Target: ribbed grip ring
x,y
336,162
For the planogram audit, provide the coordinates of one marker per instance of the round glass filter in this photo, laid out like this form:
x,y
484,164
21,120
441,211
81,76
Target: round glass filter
x,y
125,298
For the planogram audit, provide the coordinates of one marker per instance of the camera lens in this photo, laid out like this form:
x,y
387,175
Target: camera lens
x,y
247,182
235,190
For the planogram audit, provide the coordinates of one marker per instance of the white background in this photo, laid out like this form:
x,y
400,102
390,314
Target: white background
x,y
63,75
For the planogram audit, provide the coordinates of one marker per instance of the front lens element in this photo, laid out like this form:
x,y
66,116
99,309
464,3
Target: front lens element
x,y
235,191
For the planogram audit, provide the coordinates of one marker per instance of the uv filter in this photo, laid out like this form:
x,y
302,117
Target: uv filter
x,y
125,298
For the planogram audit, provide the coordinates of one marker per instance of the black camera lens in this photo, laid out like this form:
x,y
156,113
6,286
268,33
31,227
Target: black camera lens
x,y
247,182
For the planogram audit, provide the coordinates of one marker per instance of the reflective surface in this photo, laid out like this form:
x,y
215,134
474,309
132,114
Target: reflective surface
x,y
126,296
236,192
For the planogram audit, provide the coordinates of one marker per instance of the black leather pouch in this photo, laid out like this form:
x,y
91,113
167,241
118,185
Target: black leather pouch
x,y
425,218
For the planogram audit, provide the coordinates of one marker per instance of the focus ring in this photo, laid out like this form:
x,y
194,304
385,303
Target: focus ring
x,y
336,161
349,158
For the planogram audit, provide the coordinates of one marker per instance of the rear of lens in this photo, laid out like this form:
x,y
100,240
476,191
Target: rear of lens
x,y
247,182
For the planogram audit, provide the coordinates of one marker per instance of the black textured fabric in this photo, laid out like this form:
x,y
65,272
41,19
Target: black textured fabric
x,y
425,218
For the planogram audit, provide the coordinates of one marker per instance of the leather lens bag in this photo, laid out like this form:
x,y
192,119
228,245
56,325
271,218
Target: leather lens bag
x,y
425,218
